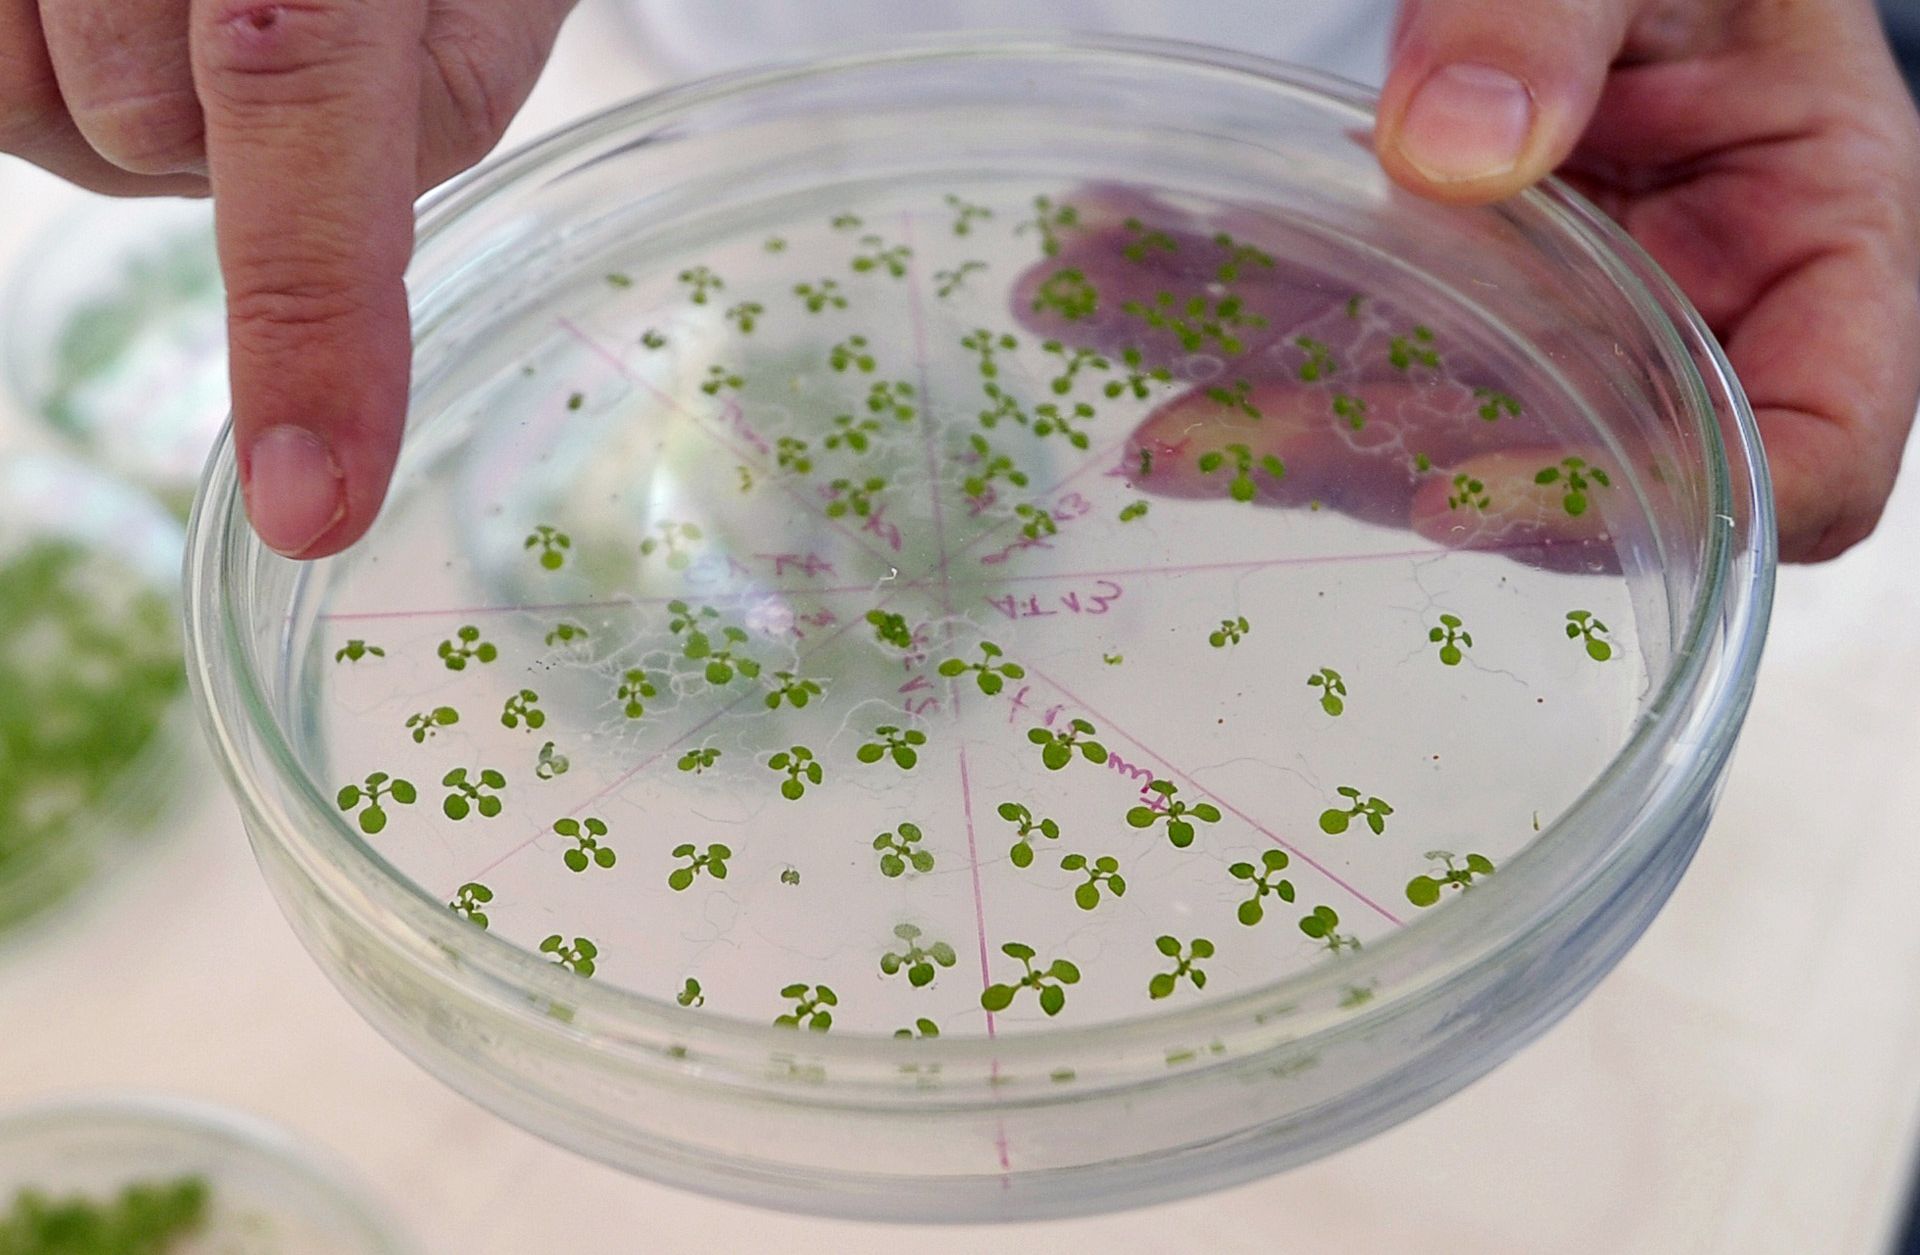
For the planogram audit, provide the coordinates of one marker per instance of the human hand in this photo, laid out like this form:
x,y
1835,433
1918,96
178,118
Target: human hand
x,y
314,123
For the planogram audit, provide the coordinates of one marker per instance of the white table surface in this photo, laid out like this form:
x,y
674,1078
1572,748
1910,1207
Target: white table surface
x,y
1746,1082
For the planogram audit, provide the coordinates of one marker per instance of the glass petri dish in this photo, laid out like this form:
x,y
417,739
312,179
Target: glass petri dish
x,y
998,630
251,1189
95,721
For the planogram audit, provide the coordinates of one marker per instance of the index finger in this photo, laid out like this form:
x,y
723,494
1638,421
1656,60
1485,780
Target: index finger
x,y
312,111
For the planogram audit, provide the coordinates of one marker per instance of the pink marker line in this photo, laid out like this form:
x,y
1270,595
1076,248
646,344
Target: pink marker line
x,y
1198,567
917,315
890,587
1060,485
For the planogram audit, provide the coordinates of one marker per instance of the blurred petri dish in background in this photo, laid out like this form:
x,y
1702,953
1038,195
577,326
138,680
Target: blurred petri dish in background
x,y
227,1184
115,338
91,682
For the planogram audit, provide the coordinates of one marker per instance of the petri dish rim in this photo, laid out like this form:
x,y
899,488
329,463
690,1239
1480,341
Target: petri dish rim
x,y
1630,809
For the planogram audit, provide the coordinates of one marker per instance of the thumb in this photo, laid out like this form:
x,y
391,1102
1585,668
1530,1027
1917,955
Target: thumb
x,y
1485,97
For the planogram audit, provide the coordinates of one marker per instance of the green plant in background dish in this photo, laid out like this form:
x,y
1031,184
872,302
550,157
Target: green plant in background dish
x,y
144,1218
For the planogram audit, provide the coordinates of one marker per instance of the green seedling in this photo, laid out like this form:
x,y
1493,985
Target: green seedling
x,y
701,283
1494,404
1355,996
587,851
721,661
1067,293
881,257
369,795
1056,748
1178,815
965,214
1112,660
990,675
1266,880
916,961
1335,820
947,282
1138,378
652,339
821,295
551,765
636,689
792,689
1422,463
1133,510
1164,983
681,616
855,434
427,724
1049,417
465,647
1350,409
1230,632
847,221
854,497
985,345
1242,486
901,745
990,466
775,244
1237,397
893,397
468,794
891,629
801,769
523,708
1198,321
746,316
713,861
1581,625
1425,890
1002,405
552,544
791,454
1026,827
577,958
1319,363
1452,638
1414,348
151,1216
721,377
1050,220
1239,257
698,760
1576,476
566,634
1322,924
355,650
1146,241
470,902
1333,690
851,354
1355,304
1104,870
576,401
674,540
922,1028
811,1007
1049,982
900,849
620,281
690,995
1072,362
1468,492
746,477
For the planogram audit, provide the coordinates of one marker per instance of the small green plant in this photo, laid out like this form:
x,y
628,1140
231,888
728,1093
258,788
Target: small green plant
x,y
712,860
1422,463
1112,660
690,995
1026,828
1035,522
947,282
894,397
1323,924
1452,638
576,401
681,617
1237,396
900,849
369,795
917,961
1067,293
801,769
721,377
985,345
551,765
1242,486
746,316
466,646
1414,348
881,257
1050,220
523,708
1266,881
470,903
577,958
427,724
891,629
847,221
701,283
1494,404
1198,321
722,662
1581,625
1104,870
855,434
1145,242
1350,409
1230,632
821,295
1239,257
1355,304
355,650
1185,958
1425,890
775,244
151,1216
1049,417
1072,362
588,851
794,690
991,465
854,496
1049,982
636,690
552,544
990,675
791,454
652,339
566,634
1133,510
851,353
1335,820
811,1007
1057,747
1577,477
674,540
965,214
1469,492
698,760
922,1027
1177,815
901,745
1333,690
1002,405
1319,363
1138,378
619,280
467,795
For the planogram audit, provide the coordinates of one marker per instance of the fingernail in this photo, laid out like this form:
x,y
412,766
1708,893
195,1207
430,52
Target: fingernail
x,y
295,491
1467,122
